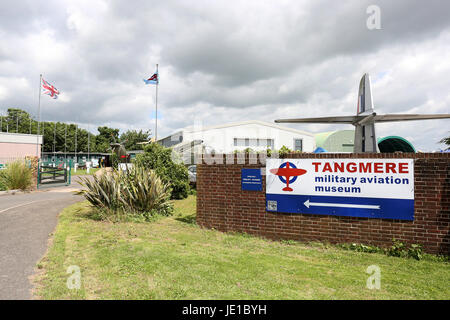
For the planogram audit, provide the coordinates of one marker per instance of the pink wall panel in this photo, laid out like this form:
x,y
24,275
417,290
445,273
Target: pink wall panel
x,y
17,150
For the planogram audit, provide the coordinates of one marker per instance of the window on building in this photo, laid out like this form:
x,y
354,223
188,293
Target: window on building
x,y
298,145
238,142
252,142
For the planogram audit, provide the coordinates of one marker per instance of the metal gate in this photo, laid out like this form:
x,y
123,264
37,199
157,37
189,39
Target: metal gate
x,y
54,173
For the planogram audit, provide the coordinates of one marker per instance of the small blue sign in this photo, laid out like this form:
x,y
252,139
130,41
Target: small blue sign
x,y
251,179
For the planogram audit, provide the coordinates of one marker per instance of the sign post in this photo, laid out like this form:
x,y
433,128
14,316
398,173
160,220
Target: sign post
x,y
370,188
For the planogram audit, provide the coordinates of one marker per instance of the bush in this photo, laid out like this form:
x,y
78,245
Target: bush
x,y
398,249
17,175
3,185
119,195
159,158
359,247
283,152
114,160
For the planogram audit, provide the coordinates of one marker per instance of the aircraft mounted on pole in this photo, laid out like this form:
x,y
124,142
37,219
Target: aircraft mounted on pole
x,y
119,149
365,119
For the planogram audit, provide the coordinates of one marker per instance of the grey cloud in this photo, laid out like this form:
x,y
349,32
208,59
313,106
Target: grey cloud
x,y
251,60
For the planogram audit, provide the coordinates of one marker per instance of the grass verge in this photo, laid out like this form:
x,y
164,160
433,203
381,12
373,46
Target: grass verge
x,y
82,172
172,258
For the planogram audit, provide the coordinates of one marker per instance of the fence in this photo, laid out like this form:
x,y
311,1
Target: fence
x,y
54,172
223,205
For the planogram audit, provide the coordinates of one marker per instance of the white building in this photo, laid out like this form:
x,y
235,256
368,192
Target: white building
x,y
227,138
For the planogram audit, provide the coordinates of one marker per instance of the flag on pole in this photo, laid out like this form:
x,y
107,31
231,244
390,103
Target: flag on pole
x,y
49,89
154,79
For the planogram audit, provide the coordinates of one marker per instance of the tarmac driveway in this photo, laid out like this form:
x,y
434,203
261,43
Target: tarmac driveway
x,y
26,220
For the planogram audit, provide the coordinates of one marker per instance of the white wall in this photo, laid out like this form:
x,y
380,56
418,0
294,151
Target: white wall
x,y
222,139
20,138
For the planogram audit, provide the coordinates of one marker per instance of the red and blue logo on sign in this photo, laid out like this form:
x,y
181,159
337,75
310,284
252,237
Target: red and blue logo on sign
x,y
288,174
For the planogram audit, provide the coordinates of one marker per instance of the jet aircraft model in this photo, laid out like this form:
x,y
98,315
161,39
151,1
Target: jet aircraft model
x,y
365,119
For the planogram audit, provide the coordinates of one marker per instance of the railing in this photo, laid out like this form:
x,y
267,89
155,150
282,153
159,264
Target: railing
x,y
58,172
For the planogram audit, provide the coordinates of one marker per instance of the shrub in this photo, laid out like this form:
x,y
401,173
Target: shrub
x,y
246,150
17,175
359,247
114,160
119,195
3,185
159,158
415,251
398,249
283,152
144,191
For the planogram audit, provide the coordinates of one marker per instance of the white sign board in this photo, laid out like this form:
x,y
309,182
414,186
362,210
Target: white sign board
x,y
125,166
373,188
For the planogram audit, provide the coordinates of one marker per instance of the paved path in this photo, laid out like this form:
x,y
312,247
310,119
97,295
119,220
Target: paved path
x,y
26,220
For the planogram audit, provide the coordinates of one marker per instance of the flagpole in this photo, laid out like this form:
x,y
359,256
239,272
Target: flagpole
x,y
76,158
65,144
157,83
38,117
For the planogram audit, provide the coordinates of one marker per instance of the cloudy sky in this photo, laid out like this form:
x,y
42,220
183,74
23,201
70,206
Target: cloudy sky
x,y
223,61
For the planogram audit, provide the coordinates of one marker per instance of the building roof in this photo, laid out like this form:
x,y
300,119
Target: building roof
x,y
322,137
243,123
8,137
395,143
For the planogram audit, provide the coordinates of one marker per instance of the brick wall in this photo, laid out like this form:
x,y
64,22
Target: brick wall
x,y
221,204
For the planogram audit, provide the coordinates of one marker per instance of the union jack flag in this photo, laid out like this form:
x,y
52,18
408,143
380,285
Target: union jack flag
x,y
49,89
154,79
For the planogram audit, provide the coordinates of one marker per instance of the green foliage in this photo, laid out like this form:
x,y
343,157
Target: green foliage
x,y
446,141
361,248
114,160
105,137
159,158
398,249
17,121
131,138
246,150
146,192
3,185
17,175
415,251
59,136
288,242
284,151
120,196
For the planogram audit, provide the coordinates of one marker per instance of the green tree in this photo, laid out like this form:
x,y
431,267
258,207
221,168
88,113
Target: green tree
x,y
159,158
60,136
445,141
105,137
131,138
17,121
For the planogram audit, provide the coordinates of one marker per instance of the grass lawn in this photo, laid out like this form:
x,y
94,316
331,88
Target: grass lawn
x,y
83,171
172,258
